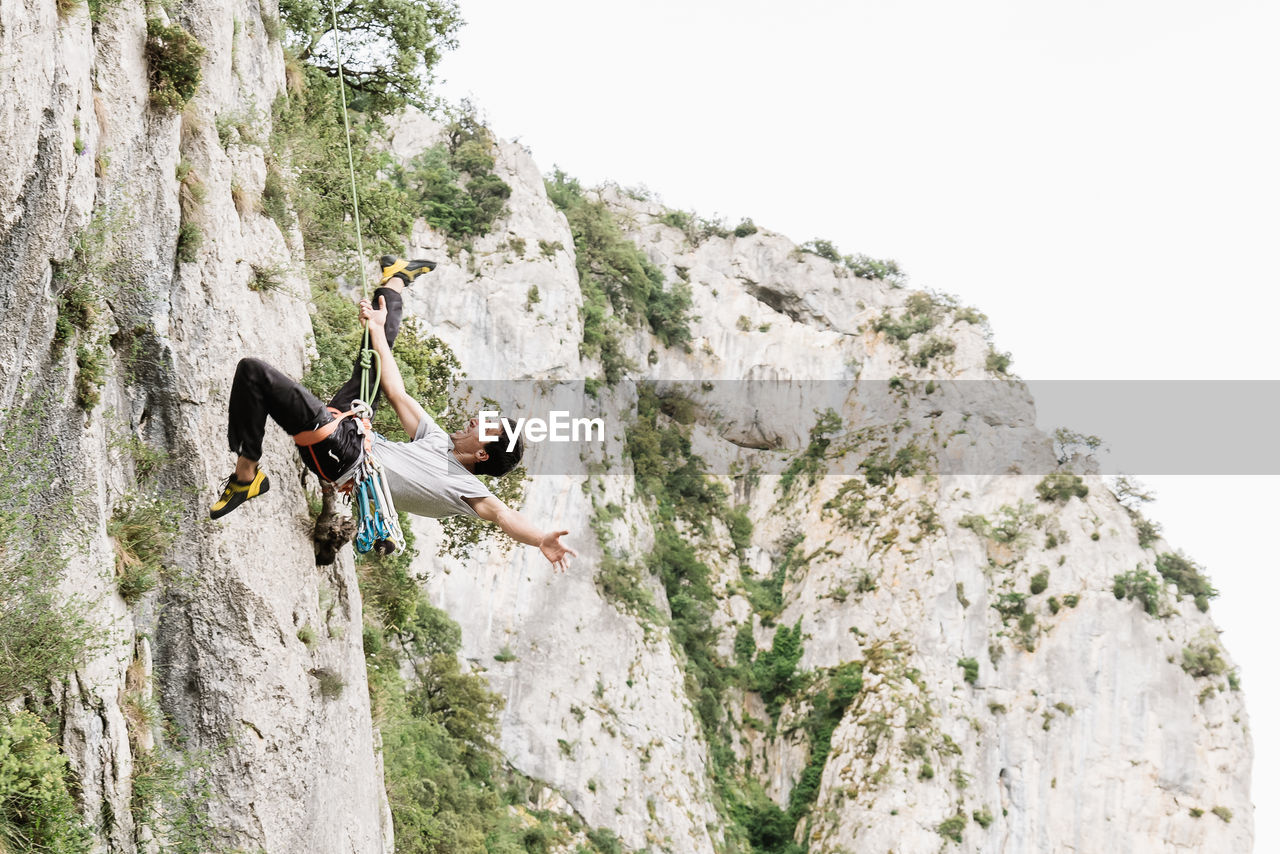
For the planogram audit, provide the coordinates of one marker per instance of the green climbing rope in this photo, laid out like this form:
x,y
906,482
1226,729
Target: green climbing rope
x,y
367,354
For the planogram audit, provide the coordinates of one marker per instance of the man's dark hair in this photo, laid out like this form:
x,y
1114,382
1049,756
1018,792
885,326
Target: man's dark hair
x,y
500,460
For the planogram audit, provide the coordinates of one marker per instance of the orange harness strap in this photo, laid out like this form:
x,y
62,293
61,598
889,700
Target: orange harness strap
x,y
307,438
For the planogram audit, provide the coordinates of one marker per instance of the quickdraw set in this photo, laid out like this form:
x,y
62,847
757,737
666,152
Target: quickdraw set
x,y
378,523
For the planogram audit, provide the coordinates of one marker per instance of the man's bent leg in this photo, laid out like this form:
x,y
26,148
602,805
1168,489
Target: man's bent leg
x,y
259,390
351,388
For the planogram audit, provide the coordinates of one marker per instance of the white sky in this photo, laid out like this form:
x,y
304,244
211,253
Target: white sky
x,y
1101,178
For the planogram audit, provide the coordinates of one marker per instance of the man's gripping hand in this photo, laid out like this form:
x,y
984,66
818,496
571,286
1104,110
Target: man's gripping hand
x,y
370,316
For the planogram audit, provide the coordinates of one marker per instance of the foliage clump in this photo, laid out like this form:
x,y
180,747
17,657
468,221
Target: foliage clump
x,y
1039,582
1069,444
91,372
953,828
773,673
307,169
190,239
920,314
697,230
828,708
665,465
1140,585
453,184
1132,494
173,64
443,768
620,285
862,266
998,363
43,633
391,50
77,297
880,467
1203,658
809,463
623,584
1061,487
765,594
866,267
171,793
142,529
37,811
266,278
932,348
1188,576
77,284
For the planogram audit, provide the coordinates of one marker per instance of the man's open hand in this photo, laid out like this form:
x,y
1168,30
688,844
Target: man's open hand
x,y
375,316
554,551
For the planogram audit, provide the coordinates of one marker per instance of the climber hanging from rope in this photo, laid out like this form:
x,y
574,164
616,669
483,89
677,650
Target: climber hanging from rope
x,y
433,474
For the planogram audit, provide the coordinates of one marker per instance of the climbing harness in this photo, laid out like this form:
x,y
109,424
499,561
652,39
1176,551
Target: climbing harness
x,y
366,483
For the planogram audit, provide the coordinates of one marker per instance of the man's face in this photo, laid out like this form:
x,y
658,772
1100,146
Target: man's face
x,y
467,440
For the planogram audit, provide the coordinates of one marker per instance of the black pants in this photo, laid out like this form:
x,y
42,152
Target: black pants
x,y
259,390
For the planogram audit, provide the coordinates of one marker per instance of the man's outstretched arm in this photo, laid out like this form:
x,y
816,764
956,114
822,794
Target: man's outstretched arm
x,y
520,529
408,410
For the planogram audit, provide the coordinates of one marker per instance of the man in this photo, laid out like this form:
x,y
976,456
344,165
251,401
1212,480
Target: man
x,y
433,474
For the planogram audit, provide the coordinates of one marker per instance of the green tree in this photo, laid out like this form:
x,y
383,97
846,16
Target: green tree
x,y
389,47
453,184
309,144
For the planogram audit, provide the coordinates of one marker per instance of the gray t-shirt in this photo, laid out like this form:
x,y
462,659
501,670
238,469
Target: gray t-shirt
x,y
426,479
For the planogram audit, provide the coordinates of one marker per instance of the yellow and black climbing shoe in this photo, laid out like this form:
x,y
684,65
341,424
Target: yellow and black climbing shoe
x,y
402,269
235,493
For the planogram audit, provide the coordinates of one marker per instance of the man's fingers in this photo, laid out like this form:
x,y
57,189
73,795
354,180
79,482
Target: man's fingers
x,y
382,301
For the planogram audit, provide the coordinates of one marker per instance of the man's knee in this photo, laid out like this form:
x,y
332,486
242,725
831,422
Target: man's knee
x,y
250,367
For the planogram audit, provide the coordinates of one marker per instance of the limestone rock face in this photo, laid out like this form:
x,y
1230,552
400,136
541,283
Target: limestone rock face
x,y
1009,701
281,732
1081,728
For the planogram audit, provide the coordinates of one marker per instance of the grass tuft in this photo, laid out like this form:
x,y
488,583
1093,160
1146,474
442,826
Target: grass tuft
x,y
142,529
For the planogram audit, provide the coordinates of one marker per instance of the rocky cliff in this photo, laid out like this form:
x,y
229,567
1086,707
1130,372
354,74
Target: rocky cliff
x,y
93,202
1081,713
877,616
